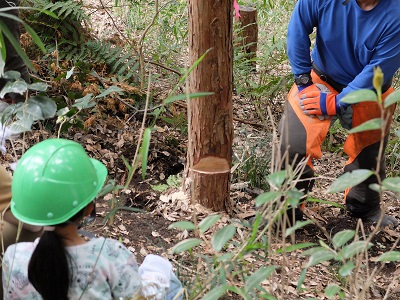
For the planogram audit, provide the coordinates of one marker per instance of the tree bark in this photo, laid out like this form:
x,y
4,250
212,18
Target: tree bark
x,y
211,117
249,33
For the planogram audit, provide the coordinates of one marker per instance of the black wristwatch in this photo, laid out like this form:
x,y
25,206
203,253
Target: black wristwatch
x,y
303,79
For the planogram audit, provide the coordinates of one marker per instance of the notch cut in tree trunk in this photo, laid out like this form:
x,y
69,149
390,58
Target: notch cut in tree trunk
x,y
210,172
249,33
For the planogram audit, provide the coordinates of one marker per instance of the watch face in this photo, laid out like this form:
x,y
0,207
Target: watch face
x,y
303,79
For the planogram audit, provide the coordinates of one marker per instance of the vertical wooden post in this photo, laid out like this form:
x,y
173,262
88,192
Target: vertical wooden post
x,y
211,117
249,32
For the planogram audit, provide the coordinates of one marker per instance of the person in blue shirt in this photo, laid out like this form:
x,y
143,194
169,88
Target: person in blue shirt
x,y
352,38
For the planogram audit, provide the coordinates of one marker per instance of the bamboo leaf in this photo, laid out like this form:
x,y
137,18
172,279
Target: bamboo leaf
x,y
390,256
207,222
342,238
34,37
222,236
111,89
216,293
144,150
391,184
185,245
360,96
184,225
257,277
276,179
184,97
297,225
392,98
349,179
267,197
295,247
355,248
368,125
16,43
331,290
320,256
346,269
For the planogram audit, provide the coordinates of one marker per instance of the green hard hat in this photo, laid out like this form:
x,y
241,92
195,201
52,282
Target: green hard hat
x,y
53,181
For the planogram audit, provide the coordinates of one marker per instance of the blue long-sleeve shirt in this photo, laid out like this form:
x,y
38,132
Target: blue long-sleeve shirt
x,y
349,41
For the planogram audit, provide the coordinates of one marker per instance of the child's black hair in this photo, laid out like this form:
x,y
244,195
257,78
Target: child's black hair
x,y
48,269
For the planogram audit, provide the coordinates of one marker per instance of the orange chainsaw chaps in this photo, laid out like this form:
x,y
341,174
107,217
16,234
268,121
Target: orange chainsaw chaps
x,y
316,129
363,112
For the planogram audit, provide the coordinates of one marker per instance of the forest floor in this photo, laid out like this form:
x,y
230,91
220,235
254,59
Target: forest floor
x,y
114,133
111,137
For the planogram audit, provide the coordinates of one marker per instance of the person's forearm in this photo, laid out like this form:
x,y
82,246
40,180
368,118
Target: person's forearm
x,y
9,217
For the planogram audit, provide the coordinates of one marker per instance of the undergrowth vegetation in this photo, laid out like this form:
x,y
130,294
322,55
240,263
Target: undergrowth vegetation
x,y
140,70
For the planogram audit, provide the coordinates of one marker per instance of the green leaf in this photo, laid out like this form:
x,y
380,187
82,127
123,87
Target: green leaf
x,y
174,98
346,269
31,111
225,257
391,184
368,125
257,277
184,225
342,238
38,86
144,150
240,292
63,111
354,248
330,203
6,32
216,293
159,187
35,37
311,251
191,68
18,87
222,236
207,222
294,247
302,277
47,106
84,102
349,179
21,125
267,197
360,96
293,197
392,98
297,225
320,256
186,245
70,73
331,290
390,256
111,89
276,179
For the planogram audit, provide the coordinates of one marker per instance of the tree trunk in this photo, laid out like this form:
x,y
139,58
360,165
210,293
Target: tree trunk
x,y
210,118
249,26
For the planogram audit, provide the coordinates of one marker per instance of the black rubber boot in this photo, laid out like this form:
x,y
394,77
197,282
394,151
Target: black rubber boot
x,y
387,221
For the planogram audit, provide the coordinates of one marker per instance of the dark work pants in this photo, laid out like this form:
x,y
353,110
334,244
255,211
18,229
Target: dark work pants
x,y
302,137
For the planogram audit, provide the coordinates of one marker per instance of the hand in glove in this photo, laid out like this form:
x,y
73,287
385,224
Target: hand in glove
x,y
316,99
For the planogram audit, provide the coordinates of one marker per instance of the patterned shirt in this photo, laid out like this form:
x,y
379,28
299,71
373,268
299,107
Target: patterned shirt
x,y
101,269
